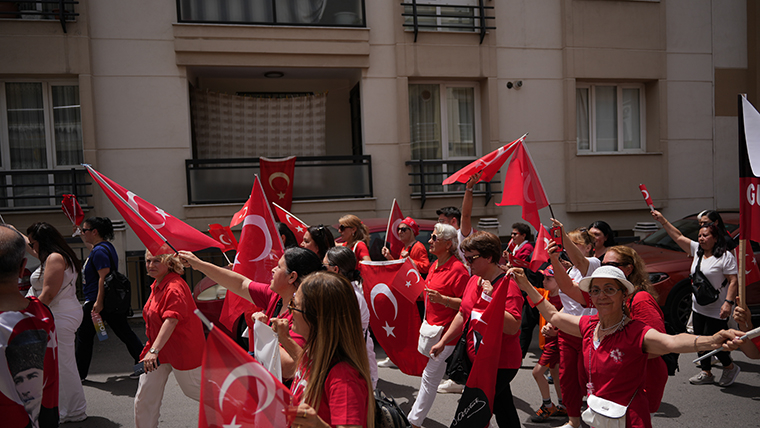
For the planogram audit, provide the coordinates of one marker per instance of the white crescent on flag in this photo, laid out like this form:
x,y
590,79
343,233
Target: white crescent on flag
x,y
278,175
414,271
255,370
381,288
258,221
526,186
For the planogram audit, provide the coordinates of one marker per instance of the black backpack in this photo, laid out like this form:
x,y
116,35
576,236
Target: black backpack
x,y
118,291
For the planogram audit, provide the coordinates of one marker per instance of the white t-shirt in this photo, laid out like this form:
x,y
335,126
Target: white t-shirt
x,y
593,264
570,306
715,269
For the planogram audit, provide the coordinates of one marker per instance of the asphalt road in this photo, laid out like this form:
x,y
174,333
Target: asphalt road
x,y
110,394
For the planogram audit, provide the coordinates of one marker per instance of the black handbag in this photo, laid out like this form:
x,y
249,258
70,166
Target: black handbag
x,y
118,291
703,290
458,365
388,414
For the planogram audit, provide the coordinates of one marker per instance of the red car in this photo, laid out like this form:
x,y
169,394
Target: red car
x,y
669,269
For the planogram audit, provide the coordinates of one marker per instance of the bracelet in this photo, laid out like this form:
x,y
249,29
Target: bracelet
x,y
469,189
695,344
446,301
730,302
533,305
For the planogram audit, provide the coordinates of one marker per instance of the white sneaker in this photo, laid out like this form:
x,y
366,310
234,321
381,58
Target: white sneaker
x,y
386,363
448,386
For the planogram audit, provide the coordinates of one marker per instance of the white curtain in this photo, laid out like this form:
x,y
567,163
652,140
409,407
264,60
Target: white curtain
x,y
581,118
230,126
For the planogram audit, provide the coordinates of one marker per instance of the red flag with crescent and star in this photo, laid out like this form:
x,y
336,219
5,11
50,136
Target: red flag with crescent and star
x,y
294,223
540,255
153,226
277,179
489,164
522,186
259,250
236,390
408,281
394,319
394,220
72,209
224,235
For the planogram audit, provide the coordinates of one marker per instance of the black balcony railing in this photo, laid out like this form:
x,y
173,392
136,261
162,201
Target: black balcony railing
x,y
213,181
427,176
424,16
42,189
329,13
58,10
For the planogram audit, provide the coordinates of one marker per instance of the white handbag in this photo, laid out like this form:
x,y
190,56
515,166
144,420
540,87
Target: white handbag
x,y
429,336
602,413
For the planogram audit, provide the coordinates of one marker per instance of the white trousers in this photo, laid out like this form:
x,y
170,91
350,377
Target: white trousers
x,y
150,392
72,404
431,377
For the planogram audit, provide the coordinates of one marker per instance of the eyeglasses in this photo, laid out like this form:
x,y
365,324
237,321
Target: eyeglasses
x,y
434,238
616,264
514,233
291,308
402,229
87,230
341,228
471,259
609,291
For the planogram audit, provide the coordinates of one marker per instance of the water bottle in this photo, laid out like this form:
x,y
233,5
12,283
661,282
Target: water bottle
x,y
100,328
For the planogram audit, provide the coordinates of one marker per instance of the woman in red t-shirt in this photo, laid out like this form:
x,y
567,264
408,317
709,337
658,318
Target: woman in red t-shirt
x,y
414,249
332,385
355,236
444,285
175,339
616,347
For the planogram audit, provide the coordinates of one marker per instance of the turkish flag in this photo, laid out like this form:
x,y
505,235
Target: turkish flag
x,y
72,209
277,179
751,271
294,223
522,186
224,235
394,319
489,164
408,281
476,405
236,390
259,250
153,226
391,232
749,171
238,217
540,255
646,195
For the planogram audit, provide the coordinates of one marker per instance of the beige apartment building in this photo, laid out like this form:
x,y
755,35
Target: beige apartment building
x,y
176,100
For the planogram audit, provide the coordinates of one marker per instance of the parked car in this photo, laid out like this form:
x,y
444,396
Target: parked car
x,y
669,269
209,298
377,227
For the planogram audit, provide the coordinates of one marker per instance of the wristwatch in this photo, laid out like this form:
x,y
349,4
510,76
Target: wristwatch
x,y
153,351
730,302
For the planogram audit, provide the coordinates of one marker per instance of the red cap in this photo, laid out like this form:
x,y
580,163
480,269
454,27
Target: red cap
x,y
412,224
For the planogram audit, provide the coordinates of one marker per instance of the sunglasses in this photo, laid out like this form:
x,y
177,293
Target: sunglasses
x,y
292,308
402,229
471,259
341,228
87,230
609,291
616,264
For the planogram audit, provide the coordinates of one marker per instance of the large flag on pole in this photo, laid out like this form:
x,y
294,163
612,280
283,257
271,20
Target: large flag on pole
x,y
295,224
749,171
391,231
236,390
394,319
522,186
277,179
160,232
476,405
489,164
259,250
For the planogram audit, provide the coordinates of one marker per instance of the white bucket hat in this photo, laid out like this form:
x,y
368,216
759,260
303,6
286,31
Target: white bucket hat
x,y
608,272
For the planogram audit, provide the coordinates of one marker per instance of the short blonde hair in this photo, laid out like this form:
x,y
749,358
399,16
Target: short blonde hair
x,y
170,260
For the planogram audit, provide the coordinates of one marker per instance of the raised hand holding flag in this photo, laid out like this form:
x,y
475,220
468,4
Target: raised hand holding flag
x,y
522,186
72,209
647,196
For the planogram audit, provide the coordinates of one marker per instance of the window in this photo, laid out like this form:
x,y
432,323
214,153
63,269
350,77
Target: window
x,y
333,13
41,130
433,15
443,122
610,118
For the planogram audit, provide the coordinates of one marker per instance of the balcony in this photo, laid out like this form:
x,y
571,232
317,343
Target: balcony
x,y
427,176
58,10
42,189
215,181
322,13
421,15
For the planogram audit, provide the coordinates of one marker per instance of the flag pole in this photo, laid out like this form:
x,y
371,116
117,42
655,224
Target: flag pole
x,y
291,214
388,228
137,213
209,325
226,258
742,279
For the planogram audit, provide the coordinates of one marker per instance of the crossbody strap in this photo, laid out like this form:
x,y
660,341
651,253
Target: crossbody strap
x,y
698,269
110,258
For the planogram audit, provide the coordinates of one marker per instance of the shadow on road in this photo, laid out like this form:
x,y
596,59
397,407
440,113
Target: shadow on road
x,y
667,411
92,422
121,386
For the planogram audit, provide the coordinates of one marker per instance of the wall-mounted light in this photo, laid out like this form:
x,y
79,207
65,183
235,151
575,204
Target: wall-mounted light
x,y
517,84
274,74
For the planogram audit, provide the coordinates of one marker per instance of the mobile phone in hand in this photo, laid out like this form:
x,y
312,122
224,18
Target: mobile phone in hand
x,y
556,235
140,367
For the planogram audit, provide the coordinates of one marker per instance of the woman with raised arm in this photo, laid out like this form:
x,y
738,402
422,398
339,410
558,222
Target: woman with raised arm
x,y
274,297
615,347
712,258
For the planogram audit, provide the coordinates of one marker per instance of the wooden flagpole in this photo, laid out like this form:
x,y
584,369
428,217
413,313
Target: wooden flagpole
x,y
388,228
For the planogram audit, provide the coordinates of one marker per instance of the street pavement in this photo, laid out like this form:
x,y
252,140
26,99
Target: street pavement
x,y
110,394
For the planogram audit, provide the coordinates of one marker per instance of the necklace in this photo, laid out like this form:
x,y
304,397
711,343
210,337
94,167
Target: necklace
x,y
613,328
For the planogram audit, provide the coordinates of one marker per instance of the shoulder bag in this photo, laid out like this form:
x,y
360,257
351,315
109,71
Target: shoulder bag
x,y
703,290
118,290
458,365
603,413
388,414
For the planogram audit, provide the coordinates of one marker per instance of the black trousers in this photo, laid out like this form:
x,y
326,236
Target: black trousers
x,y
530,318
707,326
86,335
503,402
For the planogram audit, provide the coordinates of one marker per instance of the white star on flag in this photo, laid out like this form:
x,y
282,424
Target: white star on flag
x,y
281,195
233,424
409,283
388,329
299,229
162,213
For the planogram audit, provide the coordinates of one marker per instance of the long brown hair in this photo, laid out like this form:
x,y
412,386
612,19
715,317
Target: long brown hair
x,y
335,335
639,276
361,233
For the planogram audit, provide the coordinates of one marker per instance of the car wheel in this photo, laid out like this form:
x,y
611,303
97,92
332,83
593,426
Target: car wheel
x,y
239,339
678,308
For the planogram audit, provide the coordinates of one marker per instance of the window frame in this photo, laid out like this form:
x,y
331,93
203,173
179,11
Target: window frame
x,y
621,150
438,4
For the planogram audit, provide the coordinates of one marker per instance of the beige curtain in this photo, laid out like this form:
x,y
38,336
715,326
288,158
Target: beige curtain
x,y
230,126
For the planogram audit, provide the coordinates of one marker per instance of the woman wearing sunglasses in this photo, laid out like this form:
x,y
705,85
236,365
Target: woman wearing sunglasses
x,y
616,348
274,297
482,251
414,249
355,236
332,385
445,286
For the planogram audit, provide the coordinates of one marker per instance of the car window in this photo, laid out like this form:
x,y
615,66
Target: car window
x,y
688,227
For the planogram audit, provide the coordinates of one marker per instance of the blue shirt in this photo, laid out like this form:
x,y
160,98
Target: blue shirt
x,y
98,259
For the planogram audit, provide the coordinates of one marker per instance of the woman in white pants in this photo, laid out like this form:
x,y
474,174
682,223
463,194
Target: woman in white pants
x,y
54,283
175,339
445,285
